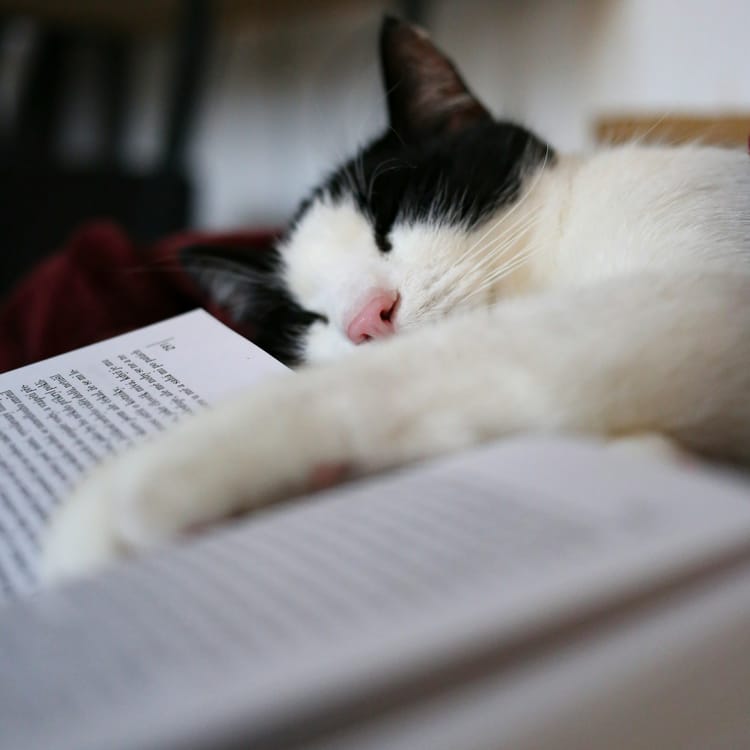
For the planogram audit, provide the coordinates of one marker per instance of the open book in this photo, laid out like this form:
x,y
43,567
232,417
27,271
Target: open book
x,y
61,416
536,593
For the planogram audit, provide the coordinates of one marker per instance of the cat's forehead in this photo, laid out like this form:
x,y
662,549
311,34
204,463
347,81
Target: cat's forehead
x,y
457,179
329,221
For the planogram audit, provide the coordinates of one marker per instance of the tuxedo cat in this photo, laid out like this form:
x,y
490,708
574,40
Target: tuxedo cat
x,y
455,282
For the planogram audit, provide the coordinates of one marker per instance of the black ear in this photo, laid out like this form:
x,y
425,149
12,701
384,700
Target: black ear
x,y
426,95
248,284
243,282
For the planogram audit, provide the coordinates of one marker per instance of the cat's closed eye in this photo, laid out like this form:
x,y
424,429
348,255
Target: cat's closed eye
x,y
383,243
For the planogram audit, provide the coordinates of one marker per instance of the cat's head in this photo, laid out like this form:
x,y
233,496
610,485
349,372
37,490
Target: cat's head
x,y
406,232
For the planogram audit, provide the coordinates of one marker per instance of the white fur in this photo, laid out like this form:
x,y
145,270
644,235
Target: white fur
x,y
585,220
626,310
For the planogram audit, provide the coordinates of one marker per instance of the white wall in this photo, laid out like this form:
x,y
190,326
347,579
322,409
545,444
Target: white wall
x,y
559,64
282,103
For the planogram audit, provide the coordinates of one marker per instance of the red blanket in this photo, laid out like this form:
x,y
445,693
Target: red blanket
x,y
100,285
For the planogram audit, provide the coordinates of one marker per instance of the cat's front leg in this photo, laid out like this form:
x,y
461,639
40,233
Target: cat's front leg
x,y
650,353
239,456
283,439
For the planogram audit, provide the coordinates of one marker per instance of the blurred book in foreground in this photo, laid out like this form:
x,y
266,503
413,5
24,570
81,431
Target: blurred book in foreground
x,y
535,593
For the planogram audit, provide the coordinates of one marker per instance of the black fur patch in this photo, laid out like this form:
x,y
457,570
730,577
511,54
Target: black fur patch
x,y
460,178
249,285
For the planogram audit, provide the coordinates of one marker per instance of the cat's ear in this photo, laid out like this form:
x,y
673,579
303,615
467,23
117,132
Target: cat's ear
x,y
426,95
243,282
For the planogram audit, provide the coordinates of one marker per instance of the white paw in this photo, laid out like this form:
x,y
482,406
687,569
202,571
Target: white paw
x,y
207,469
81,536
127,504
132,503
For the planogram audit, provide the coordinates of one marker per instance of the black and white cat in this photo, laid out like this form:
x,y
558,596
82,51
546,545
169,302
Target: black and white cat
x,y
455,282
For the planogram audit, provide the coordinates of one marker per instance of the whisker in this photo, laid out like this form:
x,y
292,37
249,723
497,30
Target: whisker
x,y
515,208
505,241
504,271
506,268
497,248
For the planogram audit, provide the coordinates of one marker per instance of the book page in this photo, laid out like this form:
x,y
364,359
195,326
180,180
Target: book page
x,y
306,615
61,416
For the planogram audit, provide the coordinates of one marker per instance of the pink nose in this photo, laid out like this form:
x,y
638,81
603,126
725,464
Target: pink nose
x,y
375,319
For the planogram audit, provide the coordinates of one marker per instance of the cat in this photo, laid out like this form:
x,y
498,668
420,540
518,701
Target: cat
x,y
456,282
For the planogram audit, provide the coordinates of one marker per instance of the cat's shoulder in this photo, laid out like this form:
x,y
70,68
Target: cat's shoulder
x,y
657,164
633,206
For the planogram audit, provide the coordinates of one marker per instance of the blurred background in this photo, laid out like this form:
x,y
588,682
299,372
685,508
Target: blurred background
x,y
219,114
